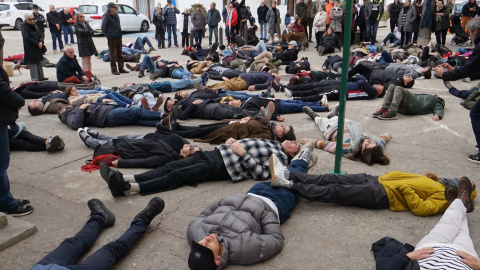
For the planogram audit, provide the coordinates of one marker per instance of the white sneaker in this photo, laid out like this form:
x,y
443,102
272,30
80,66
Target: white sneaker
x,y
288,93
277,172
324,101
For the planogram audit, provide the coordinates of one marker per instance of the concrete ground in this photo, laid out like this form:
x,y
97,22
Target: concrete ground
x,y
317,236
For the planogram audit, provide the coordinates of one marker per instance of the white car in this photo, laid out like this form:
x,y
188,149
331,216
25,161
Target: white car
x,y
13,13
130,19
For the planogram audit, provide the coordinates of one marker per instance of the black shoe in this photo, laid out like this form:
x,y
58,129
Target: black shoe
x,y
83,135
154,207
55,144
267,93
141,73
123,71
130,67
474,158
156,74
321,50
114,179
94,134
98,208
388,115
23,201
43,79
221,90
174,115
277,86
21,210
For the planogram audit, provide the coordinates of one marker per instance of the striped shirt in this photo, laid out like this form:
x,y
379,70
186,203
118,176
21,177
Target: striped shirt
x,y
444,258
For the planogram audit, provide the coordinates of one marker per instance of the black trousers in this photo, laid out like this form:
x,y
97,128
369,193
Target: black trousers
x,y
360,69
318,37
192,132
353,189
160,36
26,141
326,84
115,47
308,22
199,168
393,24
185,38
405,37
441,36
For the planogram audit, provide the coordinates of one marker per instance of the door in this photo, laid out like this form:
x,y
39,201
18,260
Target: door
x,y
129,19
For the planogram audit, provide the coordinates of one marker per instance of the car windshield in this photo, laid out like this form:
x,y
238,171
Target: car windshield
x,y
88,9
4,7
24,6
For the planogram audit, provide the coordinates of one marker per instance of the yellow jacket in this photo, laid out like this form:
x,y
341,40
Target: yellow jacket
x,y
417,193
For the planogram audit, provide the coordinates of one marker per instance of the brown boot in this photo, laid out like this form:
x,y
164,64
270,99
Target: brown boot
x,y
465,189
166,121
451,193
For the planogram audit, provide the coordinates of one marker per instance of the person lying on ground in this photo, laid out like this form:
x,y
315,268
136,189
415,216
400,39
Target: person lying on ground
x,y
398,99
305,76
76,99
160,68
107,115
139,151
196,52
286,56
236,161
20,139
470,96
257,80
34,89
69,252
423,195
143,95
376,74
358,145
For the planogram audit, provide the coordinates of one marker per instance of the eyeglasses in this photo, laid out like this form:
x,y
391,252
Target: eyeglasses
x,y
192,147
31,19
81,16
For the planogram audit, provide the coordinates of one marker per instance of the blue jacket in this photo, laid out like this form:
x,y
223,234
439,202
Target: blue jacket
x,y
390,254
48,267
360,89
171,15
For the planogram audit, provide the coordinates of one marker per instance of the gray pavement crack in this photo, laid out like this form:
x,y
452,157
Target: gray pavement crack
x,y
61,165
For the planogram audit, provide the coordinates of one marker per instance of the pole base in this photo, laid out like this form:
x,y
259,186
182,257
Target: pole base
x,y
332,171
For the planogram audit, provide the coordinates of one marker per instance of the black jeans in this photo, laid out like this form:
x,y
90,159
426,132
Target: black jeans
x,y
318,37
185,38
405,37
199,168
353,189
27,141
360,69
72,249
160,36
393,24
441,36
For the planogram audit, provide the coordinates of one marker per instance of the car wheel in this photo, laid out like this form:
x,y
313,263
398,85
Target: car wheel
x,y
144,26
18,24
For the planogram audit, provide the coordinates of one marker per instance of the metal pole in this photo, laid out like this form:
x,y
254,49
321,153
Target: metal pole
x,y
245,33
220,36
343,87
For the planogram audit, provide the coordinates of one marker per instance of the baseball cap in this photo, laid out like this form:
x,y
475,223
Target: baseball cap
x,y
201,258
112,5
293,42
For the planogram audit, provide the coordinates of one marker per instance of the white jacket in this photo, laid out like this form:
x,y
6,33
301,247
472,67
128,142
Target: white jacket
x,y
320,21
180,23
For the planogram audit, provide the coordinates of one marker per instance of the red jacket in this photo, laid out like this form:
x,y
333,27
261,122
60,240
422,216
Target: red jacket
x,y
234,18
298,28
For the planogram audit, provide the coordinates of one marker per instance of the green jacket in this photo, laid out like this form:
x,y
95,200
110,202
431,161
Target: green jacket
x,y
424,104
471,100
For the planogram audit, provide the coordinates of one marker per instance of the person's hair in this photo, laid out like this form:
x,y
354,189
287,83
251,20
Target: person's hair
x,y
296,81
383,92
68,90
34,110
432,176
51,6
323,7
214,4
197,5
27,15
410,84
370,156
326,32
296,69
77,15
473,24
427,74
289,135
298,19
221,47
177,96
339,1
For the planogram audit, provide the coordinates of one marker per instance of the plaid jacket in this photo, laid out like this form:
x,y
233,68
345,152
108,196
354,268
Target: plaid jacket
x,y
255,162
171,15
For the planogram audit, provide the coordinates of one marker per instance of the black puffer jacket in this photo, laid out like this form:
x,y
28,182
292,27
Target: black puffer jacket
x,y
111,26
31,38
9,101
84,33
330,41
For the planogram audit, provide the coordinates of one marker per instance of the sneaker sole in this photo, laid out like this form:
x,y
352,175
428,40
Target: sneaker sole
x,y
390,118
272,170
473,160
19,214
54,144
104,172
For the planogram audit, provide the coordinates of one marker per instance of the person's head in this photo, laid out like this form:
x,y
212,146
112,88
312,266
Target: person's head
x,y
472,26
407,3
408,81
302,1
188,150
112,8
35,8
235,103
197,7
472,1
365,2
66,10
35,107
169,2
295,80
418,2
181,95
290,26
158,8
29,18
186,11
329,31
427,73
439,4
230,5
71,91
370,153
79,17
292,44
291,148
274,4
69,52
321,7
51,8
336,3
285,132
206,254
262,3
298,21
169,103
380,90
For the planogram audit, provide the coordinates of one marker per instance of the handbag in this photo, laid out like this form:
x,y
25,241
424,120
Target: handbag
x,y
44,49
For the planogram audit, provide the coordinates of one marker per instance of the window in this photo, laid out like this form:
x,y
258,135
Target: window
x,y
24,6
4,7
88,9
128,10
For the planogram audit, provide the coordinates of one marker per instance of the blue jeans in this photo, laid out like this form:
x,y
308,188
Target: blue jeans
x,y
198,36
131,51
295,106
263,30
391,37
140,43
117,97
148,64
7,202
386,58
55,36
475,119
371,30
260,47
462,93
87,92
242,96
132,116
172,86
172,28
72,249
210,30
67,30
179,73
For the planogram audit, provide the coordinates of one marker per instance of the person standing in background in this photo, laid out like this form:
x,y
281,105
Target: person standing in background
x,y
301,12
113,32
273,19
198,20
39,20
32,46
186,27
159,22
262,21
67,21
320,24
373,13
328,7
394,10
311,11
170,12
213,18
54,22
86,47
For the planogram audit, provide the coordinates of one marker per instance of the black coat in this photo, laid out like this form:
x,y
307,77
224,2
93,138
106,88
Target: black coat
x,y
93,116
385,78
394,10
39,22
287,56
159,21
86,47
470,68
67,67
262,14
65,17
53,18
9,101
390,254
111,27
330,41
31,38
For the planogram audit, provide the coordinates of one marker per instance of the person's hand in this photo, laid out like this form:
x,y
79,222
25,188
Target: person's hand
x,y
468,259
198,101
106,100
280,119
439,70
57,92
388,135
244,120
237,148
58,26
84,106
40,44
230,141
324,68
304,140
115,163
435,118
251,88
420,254
447,66
85,78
